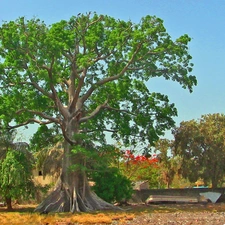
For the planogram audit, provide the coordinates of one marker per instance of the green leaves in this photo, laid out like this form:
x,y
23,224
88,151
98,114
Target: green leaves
x,y
111,185
200,143
94,64
16,175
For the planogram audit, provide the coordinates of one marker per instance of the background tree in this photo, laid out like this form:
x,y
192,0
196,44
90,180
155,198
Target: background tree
x,y
140,168
200,144
16,177
44,138
88,75
167,166
15,169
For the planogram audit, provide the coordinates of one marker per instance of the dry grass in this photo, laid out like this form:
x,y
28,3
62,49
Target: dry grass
x,y
24,215
60,219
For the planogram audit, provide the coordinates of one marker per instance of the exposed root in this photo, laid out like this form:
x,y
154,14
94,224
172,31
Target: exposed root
x,y
61,200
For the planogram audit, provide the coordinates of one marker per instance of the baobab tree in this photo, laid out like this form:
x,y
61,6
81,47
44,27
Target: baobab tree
x,y
88,76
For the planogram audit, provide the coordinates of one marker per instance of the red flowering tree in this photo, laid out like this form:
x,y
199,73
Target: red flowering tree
x,y
139,167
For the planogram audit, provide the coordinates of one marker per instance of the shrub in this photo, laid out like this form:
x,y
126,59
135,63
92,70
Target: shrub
x,y
111,185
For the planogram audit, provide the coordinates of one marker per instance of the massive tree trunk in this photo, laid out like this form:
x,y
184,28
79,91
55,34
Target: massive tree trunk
x,y
72,192
77,198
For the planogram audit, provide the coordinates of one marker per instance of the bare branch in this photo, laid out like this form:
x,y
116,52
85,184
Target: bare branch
x,y
66,83
78,89
56,99
41,114
101,56
35,84
120,110
95,21
42,90
93,130
32,120
94,113
71,58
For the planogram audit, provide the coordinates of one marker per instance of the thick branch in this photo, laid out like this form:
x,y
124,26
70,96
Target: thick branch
x,y
41,114
94,130
56,99
42,90
112,78
78,89
120,110
71,142
32,120
94,113
35,84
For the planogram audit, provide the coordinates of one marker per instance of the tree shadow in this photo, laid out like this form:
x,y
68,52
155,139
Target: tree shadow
x,y
19,208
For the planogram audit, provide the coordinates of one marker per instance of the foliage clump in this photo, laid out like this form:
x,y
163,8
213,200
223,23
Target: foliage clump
x,y
16,177
200,146
139,167
112,186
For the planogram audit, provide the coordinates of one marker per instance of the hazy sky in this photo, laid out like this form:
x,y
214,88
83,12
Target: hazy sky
x,y
202,20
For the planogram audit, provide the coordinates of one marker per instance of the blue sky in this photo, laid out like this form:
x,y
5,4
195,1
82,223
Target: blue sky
x,y
202,20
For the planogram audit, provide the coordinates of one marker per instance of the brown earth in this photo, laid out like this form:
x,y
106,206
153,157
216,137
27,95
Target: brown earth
x,y
184,214
164,214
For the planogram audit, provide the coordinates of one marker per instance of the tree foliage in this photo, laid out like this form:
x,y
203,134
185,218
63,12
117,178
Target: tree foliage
x,y
200,144
15,169
167,163
98,62
44,138
88,75
140,168
16,177
111,185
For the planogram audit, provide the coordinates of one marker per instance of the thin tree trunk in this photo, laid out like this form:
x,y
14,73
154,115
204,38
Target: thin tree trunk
x,y
168,184
8,201
214,182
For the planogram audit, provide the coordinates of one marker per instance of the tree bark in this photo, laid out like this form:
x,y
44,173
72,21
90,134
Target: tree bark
x,y
8,201
168,185
214,182
62,200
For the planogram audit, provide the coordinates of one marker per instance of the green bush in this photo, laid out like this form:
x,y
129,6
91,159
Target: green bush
x,y
16,177
111,185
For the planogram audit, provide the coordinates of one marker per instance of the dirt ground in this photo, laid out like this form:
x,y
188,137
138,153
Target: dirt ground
x,y
184,214
153,214
184,218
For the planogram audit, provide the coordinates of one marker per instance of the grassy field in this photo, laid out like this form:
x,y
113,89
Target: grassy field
x,y
25,215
